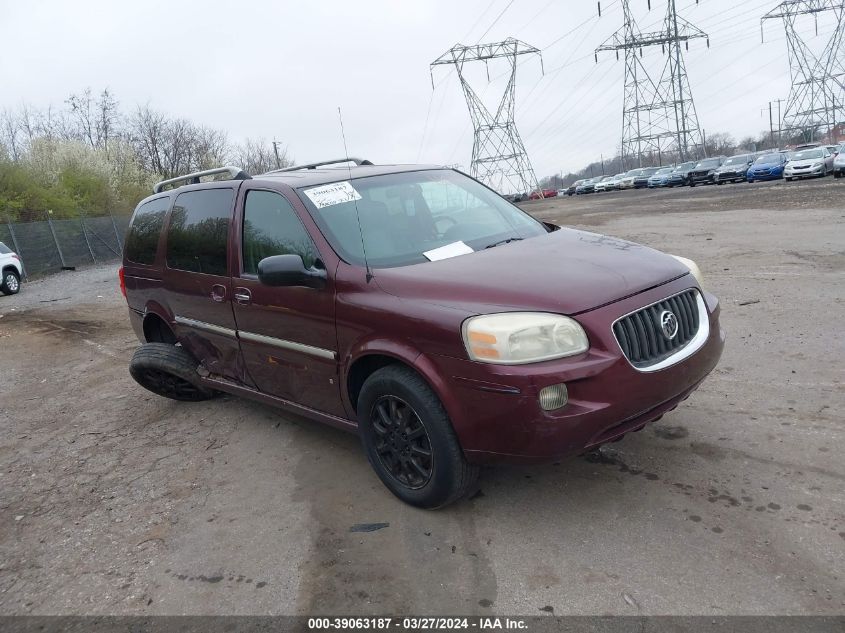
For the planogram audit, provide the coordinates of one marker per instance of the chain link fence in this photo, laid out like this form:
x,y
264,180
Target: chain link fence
x,y
48,246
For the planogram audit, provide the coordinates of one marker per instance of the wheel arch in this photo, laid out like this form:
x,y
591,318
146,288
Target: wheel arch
x,y
378,354
157,329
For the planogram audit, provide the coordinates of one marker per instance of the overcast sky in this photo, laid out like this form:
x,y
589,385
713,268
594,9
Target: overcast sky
x,y
279,69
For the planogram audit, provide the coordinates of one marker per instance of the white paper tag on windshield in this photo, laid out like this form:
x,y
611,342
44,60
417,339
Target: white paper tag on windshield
x,y
335,193
450,250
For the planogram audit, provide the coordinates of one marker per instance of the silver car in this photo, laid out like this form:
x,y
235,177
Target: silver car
x,y
839,162
809,163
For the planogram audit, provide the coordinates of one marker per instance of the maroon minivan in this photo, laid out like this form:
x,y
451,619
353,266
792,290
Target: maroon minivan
x,y
416,306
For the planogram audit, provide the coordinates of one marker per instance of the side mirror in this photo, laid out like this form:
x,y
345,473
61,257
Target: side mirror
x,y
289,270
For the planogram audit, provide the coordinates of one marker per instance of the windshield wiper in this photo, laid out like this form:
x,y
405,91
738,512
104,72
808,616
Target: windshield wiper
x,y
507,241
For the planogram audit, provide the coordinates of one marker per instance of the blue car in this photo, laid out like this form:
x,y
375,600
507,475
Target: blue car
x,y
767,167
660,178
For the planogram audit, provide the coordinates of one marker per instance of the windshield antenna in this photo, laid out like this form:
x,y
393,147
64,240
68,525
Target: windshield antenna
x,y
357,213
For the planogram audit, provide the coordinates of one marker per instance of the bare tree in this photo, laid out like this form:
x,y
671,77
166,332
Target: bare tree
x,y
9,134
259,156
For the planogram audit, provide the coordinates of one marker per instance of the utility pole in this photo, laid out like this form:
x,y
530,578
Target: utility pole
x,y
657,116
817,80
771,125
276,152
499,158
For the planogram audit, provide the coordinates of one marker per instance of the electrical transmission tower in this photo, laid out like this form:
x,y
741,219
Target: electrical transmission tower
x,y
658,118
499,158
818,91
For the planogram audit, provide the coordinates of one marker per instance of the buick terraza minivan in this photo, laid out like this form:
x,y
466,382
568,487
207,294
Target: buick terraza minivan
x,y
416,307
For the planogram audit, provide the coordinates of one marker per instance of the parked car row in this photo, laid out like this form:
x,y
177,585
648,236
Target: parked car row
x,y
812,160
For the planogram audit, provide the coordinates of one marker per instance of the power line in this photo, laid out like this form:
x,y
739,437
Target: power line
x,y
817,93
499,158
657,117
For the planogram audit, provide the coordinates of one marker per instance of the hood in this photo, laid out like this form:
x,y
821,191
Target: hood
x,y
566,272
766,165
808,162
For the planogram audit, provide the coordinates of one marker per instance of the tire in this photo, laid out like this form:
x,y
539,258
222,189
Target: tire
x,y
11,282
168,371
396,402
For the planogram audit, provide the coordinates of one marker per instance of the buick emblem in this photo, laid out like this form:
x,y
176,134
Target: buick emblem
x,y
669,324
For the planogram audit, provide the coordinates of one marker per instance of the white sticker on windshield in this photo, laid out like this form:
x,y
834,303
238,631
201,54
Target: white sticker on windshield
x,y
335,193
450,250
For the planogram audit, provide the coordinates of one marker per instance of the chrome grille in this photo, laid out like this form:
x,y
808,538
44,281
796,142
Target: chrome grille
x,y
640,334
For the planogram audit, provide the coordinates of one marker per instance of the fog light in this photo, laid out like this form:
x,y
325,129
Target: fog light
x,y
553,397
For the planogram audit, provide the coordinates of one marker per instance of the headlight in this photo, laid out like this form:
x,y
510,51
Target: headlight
x,y
817,165
693,268
515,338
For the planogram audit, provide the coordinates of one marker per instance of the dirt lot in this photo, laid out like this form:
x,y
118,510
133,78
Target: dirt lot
x,y
117,501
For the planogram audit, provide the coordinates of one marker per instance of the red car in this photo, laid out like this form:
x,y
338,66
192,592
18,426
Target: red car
x,y
416,307
547,193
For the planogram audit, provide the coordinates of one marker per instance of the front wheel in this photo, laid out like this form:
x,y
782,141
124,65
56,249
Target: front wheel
x,y
409,439
11,283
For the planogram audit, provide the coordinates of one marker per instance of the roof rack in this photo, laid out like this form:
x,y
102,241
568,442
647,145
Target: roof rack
x,y
351,159
235,173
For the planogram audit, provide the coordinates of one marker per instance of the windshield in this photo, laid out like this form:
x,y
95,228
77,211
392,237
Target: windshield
x,y
665,170
736,160
708,164
634,172
807,154
768,158
684,166
406,216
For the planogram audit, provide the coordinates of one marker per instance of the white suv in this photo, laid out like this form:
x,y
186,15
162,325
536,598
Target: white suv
x,y
10,264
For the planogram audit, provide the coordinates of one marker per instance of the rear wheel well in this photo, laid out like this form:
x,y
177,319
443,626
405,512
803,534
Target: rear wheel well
x,y
156,330
362,369
12,269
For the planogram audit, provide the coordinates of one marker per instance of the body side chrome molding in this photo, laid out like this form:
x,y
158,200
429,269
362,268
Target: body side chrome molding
x,y
319,352
208,327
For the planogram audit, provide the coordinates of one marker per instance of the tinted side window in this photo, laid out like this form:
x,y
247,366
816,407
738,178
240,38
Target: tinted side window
x,y
271,227
142,240
199,231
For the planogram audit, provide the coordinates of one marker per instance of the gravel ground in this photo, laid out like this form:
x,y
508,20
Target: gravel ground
x,y
115,501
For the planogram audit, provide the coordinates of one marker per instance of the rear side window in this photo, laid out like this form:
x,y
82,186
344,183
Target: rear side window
x,y
142,241
199,231
271,227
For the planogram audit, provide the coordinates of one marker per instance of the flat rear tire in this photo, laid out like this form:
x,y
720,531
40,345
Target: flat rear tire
x,y
168,371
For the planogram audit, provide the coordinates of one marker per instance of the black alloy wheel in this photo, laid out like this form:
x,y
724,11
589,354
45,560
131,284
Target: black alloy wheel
x,y
409,439
402,443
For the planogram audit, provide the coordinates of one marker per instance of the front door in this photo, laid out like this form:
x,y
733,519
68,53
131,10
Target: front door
x,y
287,334
199,291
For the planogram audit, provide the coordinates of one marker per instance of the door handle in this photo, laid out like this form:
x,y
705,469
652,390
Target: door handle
x,y
218,293
243,296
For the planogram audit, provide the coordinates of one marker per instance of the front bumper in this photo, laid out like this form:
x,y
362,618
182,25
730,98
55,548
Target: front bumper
x,y
768,174
803,172
701,178
495,409
729,176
